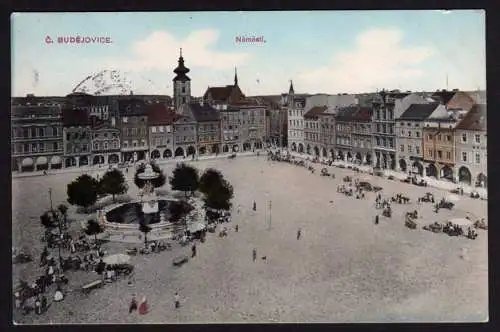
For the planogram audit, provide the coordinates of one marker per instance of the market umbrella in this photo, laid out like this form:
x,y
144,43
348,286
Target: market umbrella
x,y
452,198
116,259
196,227
461,222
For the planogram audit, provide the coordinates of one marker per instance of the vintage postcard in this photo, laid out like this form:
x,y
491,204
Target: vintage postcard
x,y
249,167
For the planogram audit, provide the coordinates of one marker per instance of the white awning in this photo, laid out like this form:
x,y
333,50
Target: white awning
x,y
27,162
41,160
55,160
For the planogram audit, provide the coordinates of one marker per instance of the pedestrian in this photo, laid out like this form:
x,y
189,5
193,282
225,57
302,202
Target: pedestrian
x,y
58,295
299,232
143,306
177,300
38,306
133,305
193,250
254,206
236,228
44,303
17,300
239,209
376,219
254,254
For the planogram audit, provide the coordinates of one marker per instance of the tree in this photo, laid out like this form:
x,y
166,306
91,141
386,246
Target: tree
x,y
219,197
157,182
93,228
210,178
185,178
83,191
177,209
144,228
113,183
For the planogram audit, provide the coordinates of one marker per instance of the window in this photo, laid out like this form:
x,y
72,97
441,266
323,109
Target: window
x,y
125,144
464,138
33,132
41,147
26,148
417,149
153,129
478,158
125,119
429,152
440,154
448,155
402,132
162,129
183,89
439,137
55,146
477,138
96,146
409,148
464,156
402,148
26,133
409,133
33,147
417,133
115,145
41,131
448,138
417,125
105,145
429,137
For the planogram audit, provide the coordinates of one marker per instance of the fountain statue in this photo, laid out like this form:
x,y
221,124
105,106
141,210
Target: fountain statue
x,y
149,202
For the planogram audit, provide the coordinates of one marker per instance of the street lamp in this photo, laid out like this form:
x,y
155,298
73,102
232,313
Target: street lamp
x,y
50,198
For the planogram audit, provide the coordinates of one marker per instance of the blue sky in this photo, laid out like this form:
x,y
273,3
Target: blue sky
x,y
322,51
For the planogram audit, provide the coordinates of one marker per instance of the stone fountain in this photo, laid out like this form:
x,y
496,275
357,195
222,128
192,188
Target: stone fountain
x,y
149,202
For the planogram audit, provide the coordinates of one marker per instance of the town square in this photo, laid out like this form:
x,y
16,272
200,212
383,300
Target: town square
x,y
199,180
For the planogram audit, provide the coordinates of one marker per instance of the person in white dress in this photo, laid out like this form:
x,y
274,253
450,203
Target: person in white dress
x,y
58,296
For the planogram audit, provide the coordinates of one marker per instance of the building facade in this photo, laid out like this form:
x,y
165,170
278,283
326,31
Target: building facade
x,y
230,129
409,137
185,136
161,120
361,136
312,130
105,143
77,138
208,127
133,125
224,95
343,131
327,133
471,148
253,125
296,113
36,137
388,106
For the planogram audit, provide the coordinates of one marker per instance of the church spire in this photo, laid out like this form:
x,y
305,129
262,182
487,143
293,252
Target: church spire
x,y
181,70
291,91
235,76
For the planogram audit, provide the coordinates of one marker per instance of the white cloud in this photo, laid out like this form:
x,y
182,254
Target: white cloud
x,y
160,51
379,60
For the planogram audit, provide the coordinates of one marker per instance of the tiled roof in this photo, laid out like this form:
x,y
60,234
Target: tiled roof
x,y
219,93
24,110
418,112
132,107
75,118
160,114
475,119
315,111
363,114
346,113
205,112
443,96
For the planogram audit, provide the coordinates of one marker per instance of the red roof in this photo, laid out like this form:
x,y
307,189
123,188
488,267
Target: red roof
x,y
160,114
475,119
315,111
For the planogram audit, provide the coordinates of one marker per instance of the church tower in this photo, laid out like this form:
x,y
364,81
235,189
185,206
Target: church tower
x,y
235,76
182,84
291,95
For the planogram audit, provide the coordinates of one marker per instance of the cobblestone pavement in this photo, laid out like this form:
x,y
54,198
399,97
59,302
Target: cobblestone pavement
x,y
343,269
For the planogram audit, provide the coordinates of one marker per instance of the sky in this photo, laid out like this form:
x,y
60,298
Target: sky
x,y
321,51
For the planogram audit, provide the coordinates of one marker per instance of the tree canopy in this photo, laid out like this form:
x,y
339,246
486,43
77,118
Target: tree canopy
x,y
113,183
93,228
219,196
185,178
47,220
210,178
158,182
83,191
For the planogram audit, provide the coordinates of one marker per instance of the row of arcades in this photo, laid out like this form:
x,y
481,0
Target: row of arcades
x,y
41,163
387,160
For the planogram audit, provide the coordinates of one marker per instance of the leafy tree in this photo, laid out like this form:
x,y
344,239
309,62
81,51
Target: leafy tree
x,y
47,220
219,197
185,178
158,182
113,183
210,178
144,228
93,227
177,209
83,191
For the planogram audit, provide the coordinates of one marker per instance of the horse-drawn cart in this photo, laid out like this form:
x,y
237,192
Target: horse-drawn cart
x,y
180,260
324,172
410,223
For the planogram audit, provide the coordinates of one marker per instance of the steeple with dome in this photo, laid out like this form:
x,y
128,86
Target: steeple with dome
x,y
182,84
